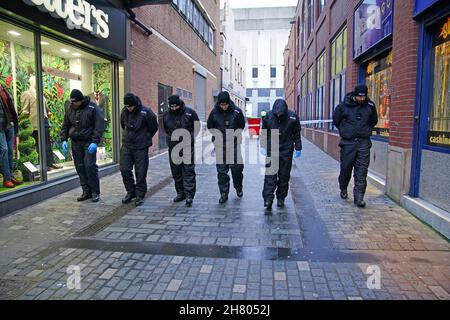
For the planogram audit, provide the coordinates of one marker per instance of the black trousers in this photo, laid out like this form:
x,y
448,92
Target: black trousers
x,y
355,154
137,158
278,181
184,176
224,178
86,166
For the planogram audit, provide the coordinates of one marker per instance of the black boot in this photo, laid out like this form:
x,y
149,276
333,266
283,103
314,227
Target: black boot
x,y
239,193
84,196
189,202
268,204
138,201
344,194
223,198
360,203
130,196
95,197
280,203
180,197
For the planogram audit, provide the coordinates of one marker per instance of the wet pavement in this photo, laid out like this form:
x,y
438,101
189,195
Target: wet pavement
x,y
317,247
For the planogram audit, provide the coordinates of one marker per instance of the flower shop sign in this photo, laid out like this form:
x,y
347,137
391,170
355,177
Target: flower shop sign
x,y
78,14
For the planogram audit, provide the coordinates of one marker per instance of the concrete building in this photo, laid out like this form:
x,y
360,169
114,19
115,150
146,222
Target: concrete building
x,y
400,49
265,32
232,58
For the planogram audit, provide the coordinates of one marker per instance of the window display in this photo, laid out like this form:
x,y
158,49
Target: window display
x,y
65,68
379,82
19,147
439,112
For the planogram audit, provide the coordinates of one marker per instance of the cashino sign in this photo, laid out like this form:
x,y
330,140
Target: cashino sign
x,y
78,14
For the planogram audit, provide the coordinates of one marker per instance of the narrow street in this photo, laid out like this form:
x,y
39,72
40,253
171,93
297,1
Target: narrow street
x,y
318,247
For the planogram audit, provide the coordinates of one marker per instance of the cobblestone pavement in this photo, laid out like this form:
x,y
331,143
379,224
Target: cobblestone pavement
x,y
318,247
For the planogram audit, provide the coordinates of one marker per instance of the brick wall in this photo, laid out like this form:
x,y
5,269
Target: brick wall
x,y
153,61
404,74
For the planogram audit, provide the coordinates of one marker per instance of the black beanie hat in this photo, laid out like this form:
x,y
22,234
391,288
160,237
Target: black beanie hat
x,y
174,99
361,90
130,100
76,95
224,97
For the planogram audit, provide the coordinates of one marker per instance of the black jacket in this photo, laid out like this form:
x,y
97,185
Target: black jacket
x,y
221,120
139,127
183,118
83,124
354,120
288,124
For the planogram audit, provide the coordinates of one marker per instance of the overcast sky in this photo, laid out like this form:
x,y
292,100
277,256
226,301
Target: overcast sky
x,y
260,3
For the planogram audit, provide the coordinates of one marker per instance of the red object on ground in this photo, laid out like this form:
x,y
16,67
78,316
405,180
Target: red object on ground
x,y
254,126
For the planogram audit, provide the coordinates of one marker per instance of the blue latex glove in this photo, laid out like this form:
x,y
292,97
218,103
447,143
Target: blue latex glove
x,y
92,148
298,154
65,146
263,151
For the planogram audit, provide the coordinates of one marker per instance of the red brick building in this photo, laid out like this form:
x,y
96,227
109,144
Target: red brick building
x,y
290,83
179,57
400,49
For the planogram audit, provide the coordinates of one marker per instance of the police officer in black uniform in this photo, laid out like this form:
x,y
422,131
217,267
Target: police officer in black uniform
x,y
355,118
227,116
180,116
286,124
83,124
139,125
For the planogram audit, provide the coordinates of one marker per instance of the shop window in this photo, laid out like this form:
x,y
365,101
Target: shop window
x,y
438,131
379,82
65,68
21,161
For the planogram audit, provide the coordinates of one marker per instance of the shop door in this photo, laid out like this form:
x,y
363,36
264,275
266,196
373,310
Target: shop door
x,y
163,95
431,150
200,97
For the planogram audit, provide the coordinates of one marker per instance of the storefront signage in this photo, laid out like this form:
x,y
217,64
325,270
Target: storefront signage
x,y
78,14
438,138
373,21
445,31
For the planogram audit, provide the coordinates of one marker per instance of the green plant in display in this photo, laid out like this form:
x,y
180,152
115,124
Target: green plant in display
x,y
5,64
27,149
56,93
102,83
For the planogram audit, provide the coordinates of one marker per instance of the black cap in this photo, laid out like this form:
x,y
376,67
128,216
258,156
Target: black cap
x,y
130,100
174,99
224,97
361,90
76,95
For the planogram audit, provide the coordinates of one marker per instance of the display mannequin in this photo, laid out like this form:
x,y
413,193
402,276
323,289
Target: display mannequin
x,y
30,107
102,101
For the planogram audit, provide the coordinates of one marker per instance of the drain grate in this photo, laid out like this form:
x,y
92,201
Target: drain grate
x,y
13,288
118,212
